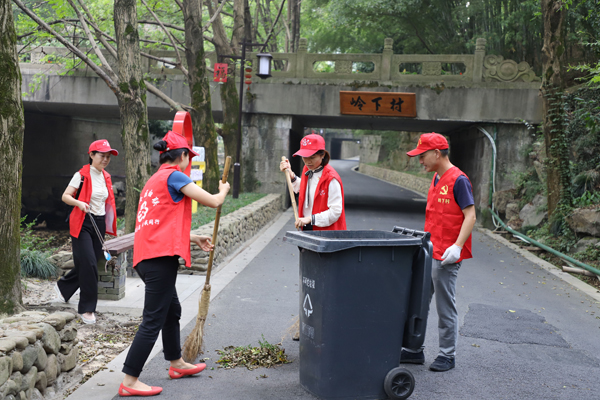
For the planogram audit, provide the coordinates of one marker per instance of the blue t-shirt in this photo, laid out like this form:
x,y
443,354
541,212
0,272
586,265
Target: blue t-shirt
x,y
463,191
175,182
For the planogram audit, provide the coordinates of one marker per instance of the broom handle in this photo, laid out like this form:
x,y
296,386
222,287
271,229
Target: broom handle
x,y
216,228
291,189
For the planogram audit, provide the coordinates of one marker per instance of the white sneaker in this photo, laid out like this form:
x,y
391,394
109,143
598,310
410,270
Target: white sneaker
x,y
59,295
88,320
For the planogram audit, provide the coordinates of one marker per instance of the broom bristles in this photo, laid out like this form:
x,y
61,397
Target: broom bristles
x,y
193,345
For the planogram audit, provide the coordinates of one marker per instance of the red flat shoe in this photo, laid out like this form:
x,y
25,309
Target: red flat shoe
x,y
124,391
181,372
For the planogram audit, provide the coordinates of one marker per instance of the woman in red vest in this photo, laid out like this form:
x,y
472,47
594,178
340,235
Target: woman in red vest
x,y
162,236
321,199
90,192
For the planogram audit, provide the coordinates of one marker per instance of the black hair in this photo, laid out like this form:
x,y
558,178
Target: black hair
x,y
92,153
326,157
168,156
444,152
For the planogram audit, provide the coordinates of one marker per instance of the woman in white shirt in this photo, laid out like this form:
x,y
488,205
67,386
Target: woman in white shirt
x,y
321,199
94,213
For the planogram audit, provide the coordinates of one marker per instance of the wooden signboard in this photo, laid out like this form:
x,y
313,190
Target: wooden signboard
x,y
384,104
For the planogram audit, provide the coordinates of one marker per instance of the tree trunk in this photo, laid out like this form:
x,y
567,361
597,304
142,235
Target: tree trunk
x,y
202,119
132,107
557,147
294,9
11,167
229,94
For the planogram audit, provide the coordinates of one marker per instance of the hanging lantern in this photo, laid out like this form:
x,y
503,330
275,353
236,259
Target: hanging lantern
x,y
264,65
220,74
248,75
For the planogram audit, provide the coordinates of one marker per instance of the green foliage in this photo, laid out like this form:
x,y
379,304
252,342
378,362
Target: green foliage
x,y
583,111
556,235
528,185
206,215
35,264
28,240
159,128
587,199
265,355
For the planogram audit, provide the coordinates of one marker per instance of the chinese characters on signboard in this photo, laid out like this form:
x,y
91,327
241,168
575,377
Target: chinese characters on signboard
x,y
388,104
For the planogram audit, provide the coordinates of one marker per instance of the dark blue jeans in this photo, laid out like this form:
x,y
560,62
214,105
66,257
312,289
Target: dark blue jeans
x,y
162,311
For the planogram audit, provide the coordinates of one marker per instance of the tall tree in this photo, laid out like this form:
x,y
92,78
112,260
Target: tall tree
x,y
11,142
132,106
128,85
230,45
553,85
202,119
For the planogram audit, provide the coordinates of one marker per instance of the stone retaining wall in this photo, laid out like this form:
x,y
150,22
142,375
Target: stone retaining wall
x,y
235,229
420,185
38,355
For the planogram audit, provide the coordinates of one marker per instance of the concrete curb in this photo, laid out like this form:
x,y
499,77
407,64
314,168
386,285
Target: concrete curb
x,y
576,283
356,169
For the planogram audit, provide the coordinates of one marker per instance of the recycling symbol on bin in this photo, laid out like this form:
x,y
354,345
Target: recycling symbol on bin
x,y
308,308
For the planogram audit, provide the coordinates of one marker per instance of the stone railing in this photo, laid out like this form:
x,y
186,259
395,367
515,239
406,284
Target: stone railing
x,y
38,355
307,67
236,228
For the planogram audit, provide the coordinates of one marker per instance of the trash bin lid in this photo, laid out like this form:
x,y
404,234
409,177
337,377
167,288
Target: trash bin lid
x,y
332,241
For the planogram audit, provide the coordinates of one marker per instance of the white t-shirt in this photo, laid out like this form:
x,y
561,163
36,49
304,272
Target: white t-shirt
x,y
99,190
334,202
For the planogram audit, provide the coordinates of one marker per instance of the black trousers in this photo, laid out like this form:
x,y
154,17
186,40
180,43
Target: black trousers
x,y
162,311
87,250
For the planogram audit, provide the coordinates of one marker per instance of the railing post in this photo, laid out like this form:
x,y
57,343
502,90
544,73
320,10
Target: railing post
x,y
478,60
301,58
386,59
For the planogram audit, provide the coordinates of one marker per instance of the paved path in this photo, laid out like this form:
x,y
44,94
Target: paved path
x,y
525,333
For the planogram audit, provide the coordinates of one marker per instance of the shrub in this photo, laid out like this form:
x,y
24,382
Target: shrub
x,y
30,241
34,263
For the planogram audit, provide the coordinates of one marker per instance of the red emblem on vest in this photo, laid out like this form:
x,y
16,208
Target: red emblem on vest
x,y
443,216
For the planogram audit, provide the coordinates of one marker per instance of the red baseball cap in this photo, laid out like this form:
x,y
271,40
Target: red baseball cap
x,y
102,146
429,141
176,141
310,144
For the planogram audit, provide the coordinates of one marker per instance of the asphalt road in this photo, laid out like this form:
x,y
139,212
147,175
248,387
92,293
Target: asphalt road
x,y
524,334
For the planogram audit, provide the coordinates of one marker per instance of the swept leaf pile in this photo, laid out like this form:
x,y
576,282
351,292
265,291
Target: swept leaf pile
x,y
265,355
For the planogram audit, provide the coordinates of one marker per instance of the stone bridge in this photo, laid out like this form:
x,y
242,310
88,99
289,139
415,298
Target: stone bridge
x,y
454,94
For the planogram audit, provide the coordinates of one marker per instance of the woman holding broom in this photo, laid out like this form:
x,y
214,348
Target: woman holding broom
x,y
321,199
90,192
162,235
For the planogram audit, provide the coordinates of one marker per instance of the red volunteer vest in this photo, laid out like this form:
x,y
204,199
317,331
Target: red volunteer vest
x,y
321,197
162,226
85,194
443,215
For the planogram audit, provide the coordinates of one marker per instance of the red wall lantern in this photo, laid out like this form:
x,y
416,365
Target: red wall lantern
x,y
220,74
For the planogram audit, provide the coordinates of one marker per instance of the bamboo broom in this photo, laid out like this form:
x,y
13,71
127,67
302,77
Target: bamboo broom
x,y
291,189
192,347
295,328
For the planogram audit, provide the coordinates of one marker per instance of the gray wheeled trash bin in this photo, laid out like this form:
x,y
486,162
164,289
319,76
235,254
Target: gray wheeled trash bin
x,y
364,295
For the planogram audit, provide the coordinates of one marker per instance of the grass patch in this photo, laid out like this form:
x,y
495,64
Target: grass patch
x,y
34,264
265,355
206,215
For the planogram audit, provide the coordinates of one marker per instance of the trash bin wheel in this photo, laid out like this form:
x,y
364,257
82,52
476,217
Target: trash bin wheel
x,y
399,383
